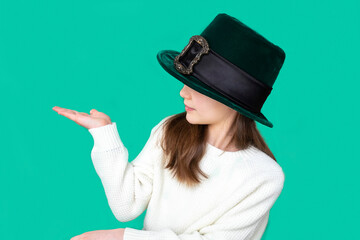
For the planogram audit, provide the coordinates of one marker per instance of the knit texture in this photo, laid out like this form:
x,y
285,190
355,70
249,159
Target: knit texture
x,y
232,204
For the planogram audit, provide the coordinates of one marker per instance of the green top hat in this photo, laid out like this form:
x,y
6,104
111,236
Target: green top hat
x,y
230,63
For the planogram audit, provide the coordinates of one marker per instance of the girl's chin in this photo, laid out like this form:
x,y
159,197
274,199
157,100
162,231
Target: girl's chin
x,y
190,118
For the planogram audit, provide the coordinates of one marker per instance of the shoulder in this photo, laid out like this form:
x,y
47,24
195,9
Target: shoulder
x,y
258,160
261,164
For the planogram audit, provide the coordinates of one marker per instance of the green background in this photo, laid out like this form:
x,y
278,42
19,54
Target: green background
x,y
102,54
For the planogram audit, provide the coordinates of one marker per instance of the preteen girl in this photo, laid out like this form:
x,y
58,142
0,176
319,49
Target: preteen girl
x,y
205,173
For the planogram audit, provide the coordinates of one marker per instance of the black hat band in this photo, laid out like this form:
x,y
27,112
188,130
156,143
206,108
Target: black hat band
x,y
222,75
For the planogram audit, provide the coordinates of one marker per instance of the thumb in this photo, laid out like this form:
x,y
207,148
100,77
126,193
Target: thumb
x,y
93,111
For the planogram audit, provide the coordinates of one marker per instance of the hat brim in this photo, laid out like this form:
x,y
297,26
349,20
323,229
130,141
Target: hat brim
x,y
166,60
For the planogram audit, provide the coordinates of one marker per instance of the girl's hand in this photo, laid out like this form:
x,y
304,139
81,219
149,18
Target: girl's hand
x,y
95,119
113,234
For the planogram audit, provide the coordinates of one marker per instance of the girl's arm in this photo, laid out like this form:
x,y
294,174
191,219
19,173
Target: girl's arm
x,y
127,185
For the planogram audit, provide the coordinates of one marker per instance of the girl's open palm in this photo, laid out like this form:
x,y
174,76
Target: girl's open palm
x,y
93,120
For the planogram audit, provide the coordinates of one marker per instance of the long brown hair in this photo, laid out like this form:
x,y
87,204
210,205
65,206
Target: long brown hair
x,y
184,145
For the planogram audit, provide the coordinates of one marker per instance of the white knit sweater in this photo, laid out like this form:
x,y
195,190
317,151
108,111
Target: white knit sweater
x,y
232,204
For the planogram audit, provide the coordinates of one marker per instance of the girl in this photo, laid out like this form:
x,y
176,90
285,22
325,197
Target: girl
x,y
205,173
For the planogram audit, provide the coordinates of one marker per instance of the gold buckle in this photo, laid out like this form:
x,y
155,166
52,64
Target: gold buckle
x,y
205,49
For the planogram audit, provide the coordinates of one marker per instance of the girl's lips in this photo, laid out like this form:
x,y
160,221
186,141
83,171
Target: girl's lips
x,y
188,108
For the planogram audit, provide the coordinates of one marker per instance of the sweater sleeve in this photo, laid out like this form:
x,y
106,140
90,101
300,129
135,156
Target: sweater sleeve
x,y
241,221
127,185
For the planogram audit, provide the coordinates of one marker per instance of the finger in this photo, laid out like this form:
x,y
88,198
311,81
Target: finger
x,y
71,114
56,108
60,109
68,111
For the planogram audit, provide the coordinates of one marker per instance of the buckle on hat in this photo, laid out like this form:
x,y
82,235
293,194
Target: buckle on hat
x,y
204,50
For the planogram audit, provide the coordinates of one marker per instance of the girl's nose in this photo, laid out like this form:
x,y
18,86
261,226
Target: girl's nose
x,y
184,92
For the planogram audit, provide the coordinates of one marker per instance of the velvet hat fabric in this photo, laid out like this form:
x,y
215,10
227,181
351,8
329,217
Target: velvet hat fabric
x,y
229,62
